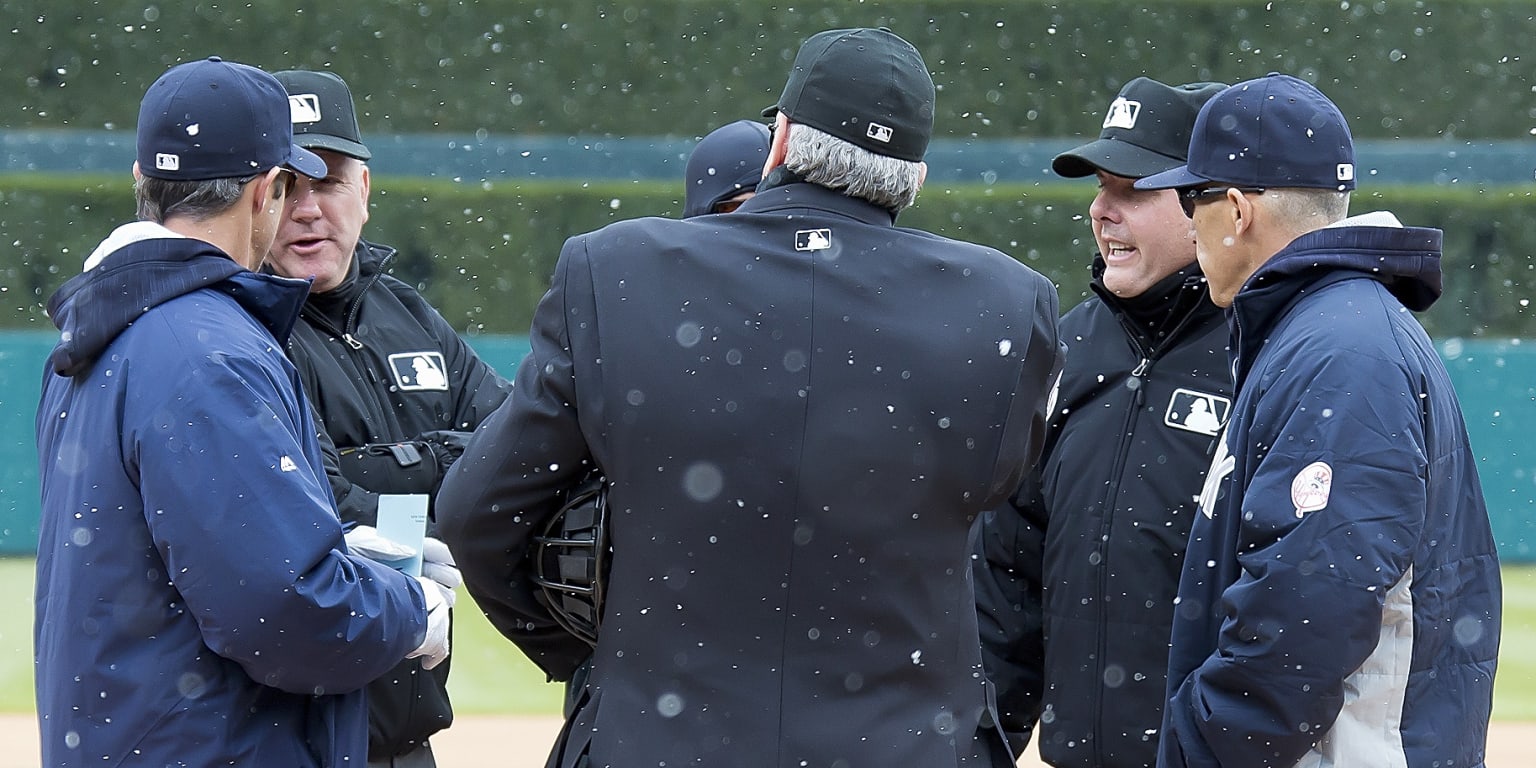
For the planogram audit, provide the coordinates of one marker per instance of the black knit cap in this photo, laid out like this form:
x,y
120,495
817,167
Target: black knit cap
x,y
865,86
323,117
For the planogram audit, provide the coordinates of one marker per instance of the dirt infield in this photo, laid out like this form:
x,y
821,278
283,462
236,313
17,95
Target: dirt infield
x,y
523,742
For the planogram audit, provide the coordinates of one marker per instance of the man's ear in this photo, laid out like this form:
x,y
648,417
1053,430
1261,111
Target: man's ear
x,y
365,182
1243,212
261,190
778,146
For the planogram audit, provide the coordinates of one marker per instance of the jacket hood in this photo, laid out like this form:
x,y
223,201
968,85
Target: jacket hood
x,y
1404,259
143,265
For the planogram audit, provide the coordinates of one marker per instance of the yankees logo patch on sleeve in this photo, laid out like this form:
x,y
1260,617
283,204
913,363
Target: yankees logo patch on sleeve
x,y
1309,490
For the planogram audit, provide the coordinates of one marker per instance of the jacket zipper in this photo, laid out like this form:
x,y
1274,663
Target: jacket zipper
x,y
1149,355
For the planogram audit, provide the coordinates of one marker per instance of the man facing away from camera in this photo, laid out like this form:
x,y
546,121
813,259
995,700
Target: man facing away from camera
x,y
1134,422
1340,601
800,409
394,387
196,601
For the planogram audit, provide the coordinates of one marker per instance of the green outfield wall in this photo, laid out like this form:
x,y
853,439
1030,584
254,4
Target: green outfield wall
x,y
1495,379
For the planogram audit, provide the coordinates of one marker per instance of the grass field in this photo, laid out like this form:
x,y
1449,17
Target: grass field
x,y
491,677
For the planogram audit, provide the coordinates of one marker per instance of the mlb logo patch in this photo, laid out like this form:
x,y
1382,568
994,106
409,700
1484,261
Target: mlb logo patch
x,y
167,162
1346,171
1122,113
813,239
1199,412
304,108
419,371
879,133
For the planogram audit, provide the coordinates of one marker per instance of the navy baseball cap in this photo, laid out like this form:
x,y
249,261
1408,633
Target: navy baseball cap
x,y
216,119
865,86
1146,131
724,164
1276,131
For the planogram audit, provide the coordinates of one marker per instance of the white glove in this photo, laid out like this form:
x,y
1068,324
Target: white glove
x,y
437,564
365,540
435,646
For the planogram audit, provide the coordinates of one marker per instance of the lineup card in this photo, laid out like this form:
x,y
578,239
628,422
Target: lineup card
x,y
403,519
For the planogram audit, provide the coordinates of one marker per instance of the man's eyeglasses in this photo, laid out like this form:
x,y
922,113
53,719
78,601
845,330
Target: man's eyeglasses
x,y
287,178
1189,198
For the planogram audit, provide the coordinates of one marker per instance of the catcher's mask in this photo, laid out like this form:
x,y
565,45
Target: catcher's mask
x,y
570,559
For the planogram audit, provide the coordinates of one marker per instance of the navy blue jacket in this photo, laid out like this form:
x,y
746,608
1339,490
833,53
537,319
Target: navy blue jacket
x,y
1340,601
195,602
801,408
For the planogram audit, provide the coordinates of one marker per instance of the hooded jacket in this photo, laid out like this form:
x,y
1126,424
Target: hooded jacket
x,y
1340,601
362,350
196,604
1142,397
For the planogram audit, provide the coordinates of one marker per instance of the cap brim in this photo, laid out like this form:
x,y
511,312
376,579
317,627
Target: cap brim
x,y
306,162
1113,156
771,111
1171,179
332,143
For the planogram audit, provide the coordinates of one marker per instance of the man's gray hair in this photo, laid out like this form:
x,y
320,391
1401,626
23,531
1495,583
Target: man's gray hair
x,y
856,172
160,199
1308,209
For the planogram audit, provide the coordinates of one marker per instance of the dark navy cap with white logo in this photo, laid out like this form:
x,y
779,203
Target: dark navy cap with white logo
x,y
1274,132
320,105
216,119
1146,131
867,87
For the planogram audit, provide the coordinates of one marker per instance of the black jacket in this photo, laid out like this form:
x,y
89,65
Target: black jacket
x,y
801,409
1144,392
382,368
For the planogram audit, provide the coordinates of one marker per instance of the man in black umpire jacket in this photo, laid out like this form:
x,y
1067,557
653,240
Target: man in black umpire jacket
x,y
1144,394
800,409
394,388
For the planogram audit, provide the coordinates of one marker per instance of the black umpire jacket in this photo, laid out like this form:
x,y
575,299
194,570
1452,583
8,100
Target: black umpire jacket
x,y
800,408
1144,393
370,353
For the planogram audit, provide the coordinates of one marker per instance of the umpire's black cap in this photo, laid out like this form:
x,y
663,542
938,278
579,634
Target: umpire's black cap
x,y
865,86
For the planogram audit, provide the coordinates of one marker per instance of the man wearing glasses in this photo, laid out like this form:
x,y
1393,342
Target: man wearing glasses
x,y
1137,412
196,602
1340,601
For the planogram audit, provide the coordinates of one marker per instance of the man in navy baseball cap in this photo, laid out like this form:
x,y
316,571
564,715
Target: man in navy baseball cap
x,y
258,627
1343,495
725,168
1274,136
216,119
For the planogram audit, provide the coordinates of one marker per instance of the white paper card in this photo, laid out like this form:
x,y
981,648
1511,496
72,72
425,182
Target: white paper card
x,y
403,520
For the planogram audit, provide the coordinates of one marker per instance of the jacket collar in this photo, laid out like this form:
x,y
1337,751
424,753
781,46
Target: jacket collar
x,y
1406,260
